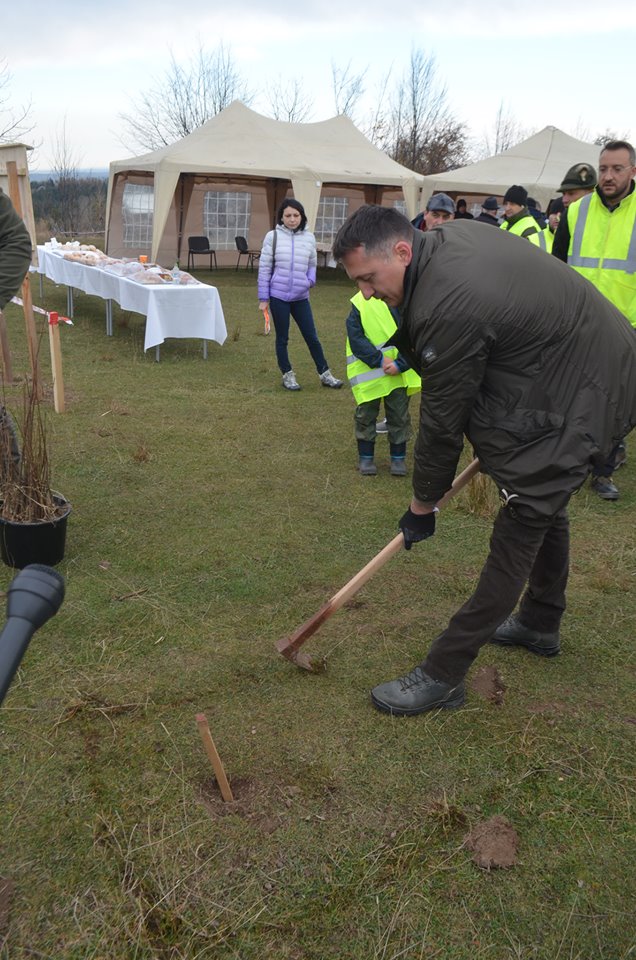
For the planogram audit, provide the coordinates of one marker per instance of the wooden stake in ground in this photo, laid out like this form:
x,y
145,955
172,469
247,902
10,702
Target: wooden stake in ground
x,y
214,758
56,362
27,302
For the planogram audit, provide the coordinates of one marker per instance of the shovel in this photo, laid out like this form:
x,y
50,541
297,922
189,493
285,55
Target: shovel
x,y
289,646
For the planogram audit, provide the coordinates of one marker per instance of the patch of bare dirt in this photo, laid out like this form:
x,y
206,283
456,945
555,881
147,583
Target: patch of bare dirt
x,y
494,843
550,707
488,684
6,896
355,604
267,806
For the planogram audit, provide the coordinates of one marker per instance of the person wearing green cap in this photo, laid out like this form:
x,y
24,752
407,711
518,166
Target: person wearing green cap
x,y
597,237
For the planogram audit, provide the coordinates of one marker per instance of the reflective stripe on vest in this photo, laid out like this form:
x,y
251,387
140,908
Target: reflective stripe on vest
x,y
541,239
611,237
369,383
592,263
521,225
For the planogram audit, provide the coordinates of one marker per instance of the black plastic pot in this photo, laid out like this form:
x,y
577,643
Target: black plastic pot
x,y
42,542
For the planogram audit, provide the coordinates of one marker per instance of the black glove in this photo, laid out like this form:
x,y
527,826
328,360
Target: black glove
x,y
416,527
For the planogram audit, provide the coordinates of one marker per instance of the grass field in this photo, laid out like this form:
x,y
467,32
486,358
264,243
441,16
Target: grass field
x,y
213,512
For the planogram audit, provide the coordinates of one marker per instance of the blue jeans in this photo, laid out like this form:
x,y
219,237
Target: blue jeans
x,y
301,312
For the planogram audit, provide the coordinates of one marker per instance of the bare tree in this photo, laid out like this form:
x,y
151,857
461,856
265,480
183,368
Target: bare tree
x,y
348,88
582,131
14,121
507,131
183,99
377,125
423,135
602,138
288,101
66,173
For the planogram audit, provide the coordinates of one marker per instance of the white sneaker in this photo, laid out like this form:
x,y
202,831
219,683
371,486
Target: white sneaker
x,y
290,382
328,380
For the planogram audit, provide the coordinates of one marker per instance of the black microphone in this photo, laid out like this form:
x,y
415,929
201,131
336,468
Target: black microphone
x,y
34,596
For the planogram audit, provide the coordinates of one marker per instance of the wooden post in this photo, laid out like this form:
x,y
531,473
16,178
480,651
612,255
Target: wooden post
x,y
56,362
27,301
5,350
214,758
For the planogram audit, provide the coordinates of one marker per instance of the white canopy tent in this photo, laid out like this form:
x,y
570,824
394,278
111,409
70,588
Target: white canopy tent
x,y
538,164
241,149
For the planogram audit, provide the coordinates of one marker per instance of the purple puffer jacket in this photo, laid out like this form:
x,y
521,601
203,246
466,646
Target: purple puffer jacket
x,y
294,271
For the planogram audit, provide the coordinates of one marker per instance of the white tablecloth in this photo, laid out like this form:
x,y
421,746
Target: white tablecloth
x,y
171,310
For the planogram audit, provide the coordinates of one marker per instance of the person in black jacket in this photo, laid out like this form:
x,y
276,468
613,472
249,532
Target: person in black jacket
x,y
15,250
461,211
538,372
489,211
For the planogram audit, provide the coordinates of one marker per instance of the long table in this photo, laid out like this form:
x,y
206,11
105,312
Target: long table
x,y
171,309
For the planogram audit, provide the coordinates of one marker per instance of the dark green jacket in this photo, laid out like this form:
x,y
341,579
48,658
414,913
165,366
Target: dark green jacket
x,y
15,250
519,354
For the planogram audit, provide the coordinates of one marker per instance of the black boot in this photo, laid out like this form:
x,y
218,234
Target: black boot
x,y
398,459
513,633
366,466
417,692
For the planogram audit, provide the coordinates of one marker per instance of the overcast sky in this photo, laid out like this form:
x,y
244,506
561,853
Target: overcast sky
x,y
561,63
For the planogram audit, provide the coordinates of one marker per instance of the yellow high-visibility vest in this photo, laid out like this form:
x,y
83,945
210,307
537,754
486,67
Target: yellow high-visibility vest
x,y
521,225
603,248
543,239
369,383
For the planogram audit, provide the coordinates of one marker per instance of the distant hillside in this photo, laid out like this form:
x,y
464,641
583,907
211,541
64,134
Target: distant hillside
x,y
97,173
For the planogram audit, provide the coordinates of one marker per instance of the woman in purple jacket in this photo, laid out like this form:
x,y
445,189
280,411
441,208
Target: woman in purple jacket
x,y
287,269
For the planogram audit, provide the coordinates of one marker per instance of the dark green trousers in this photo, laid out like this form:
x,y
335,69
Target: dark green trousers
x,y
398,421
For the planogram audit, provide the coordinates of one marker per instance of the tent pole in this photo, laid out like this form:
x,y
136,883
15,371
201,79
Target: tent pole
x,y
180,235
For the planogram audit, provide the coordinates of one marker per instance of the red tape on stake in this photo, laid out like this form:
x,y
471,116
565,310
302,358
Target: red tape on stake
x,y
45,313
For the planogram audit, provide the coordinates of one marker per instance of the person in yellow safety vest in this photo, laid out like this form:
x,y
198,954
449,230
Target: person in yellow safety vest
x,y
578,181
378,372
518,220
545,238
597,238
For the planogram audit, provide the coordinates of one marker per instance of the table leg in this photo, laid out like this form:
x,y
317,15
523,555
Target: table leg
x,y
205,349
41,286
109,318
69,302
157,354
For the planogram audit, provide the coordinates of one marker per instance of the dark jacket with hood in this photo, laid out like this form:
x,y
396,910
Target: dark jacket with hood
x,y
521,355
15,250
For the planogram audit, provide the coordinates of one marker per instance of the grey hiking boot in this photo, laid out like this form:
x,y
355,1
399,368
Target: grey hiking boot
x,y
290,382
381,426
605,488
512,633
398,467
328,380
415,693
621,456
367,467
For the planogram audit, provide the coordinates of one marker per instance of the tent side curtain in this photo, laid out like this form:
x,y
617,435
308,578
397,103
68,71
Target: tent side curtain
x,y
165,185
307,190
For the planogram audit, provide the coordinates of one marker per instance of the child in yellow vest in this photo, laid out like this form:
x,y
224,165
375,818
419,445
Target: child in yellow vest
x,y
377,373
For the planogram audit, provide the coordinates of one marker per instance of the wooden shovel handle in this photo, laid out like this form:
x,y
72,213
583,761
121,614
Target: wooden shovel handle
x,y
288,645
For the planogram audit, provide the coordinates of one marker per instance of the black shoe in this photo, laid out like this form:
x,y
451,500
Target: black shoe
x,y
415,693
605,487
398,467
512,633
620,458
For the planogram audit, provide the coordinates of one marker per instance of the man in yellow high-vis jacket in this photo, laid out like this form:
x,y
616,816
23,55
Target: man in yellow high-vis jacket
x,y
518,219
378,372
597,238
